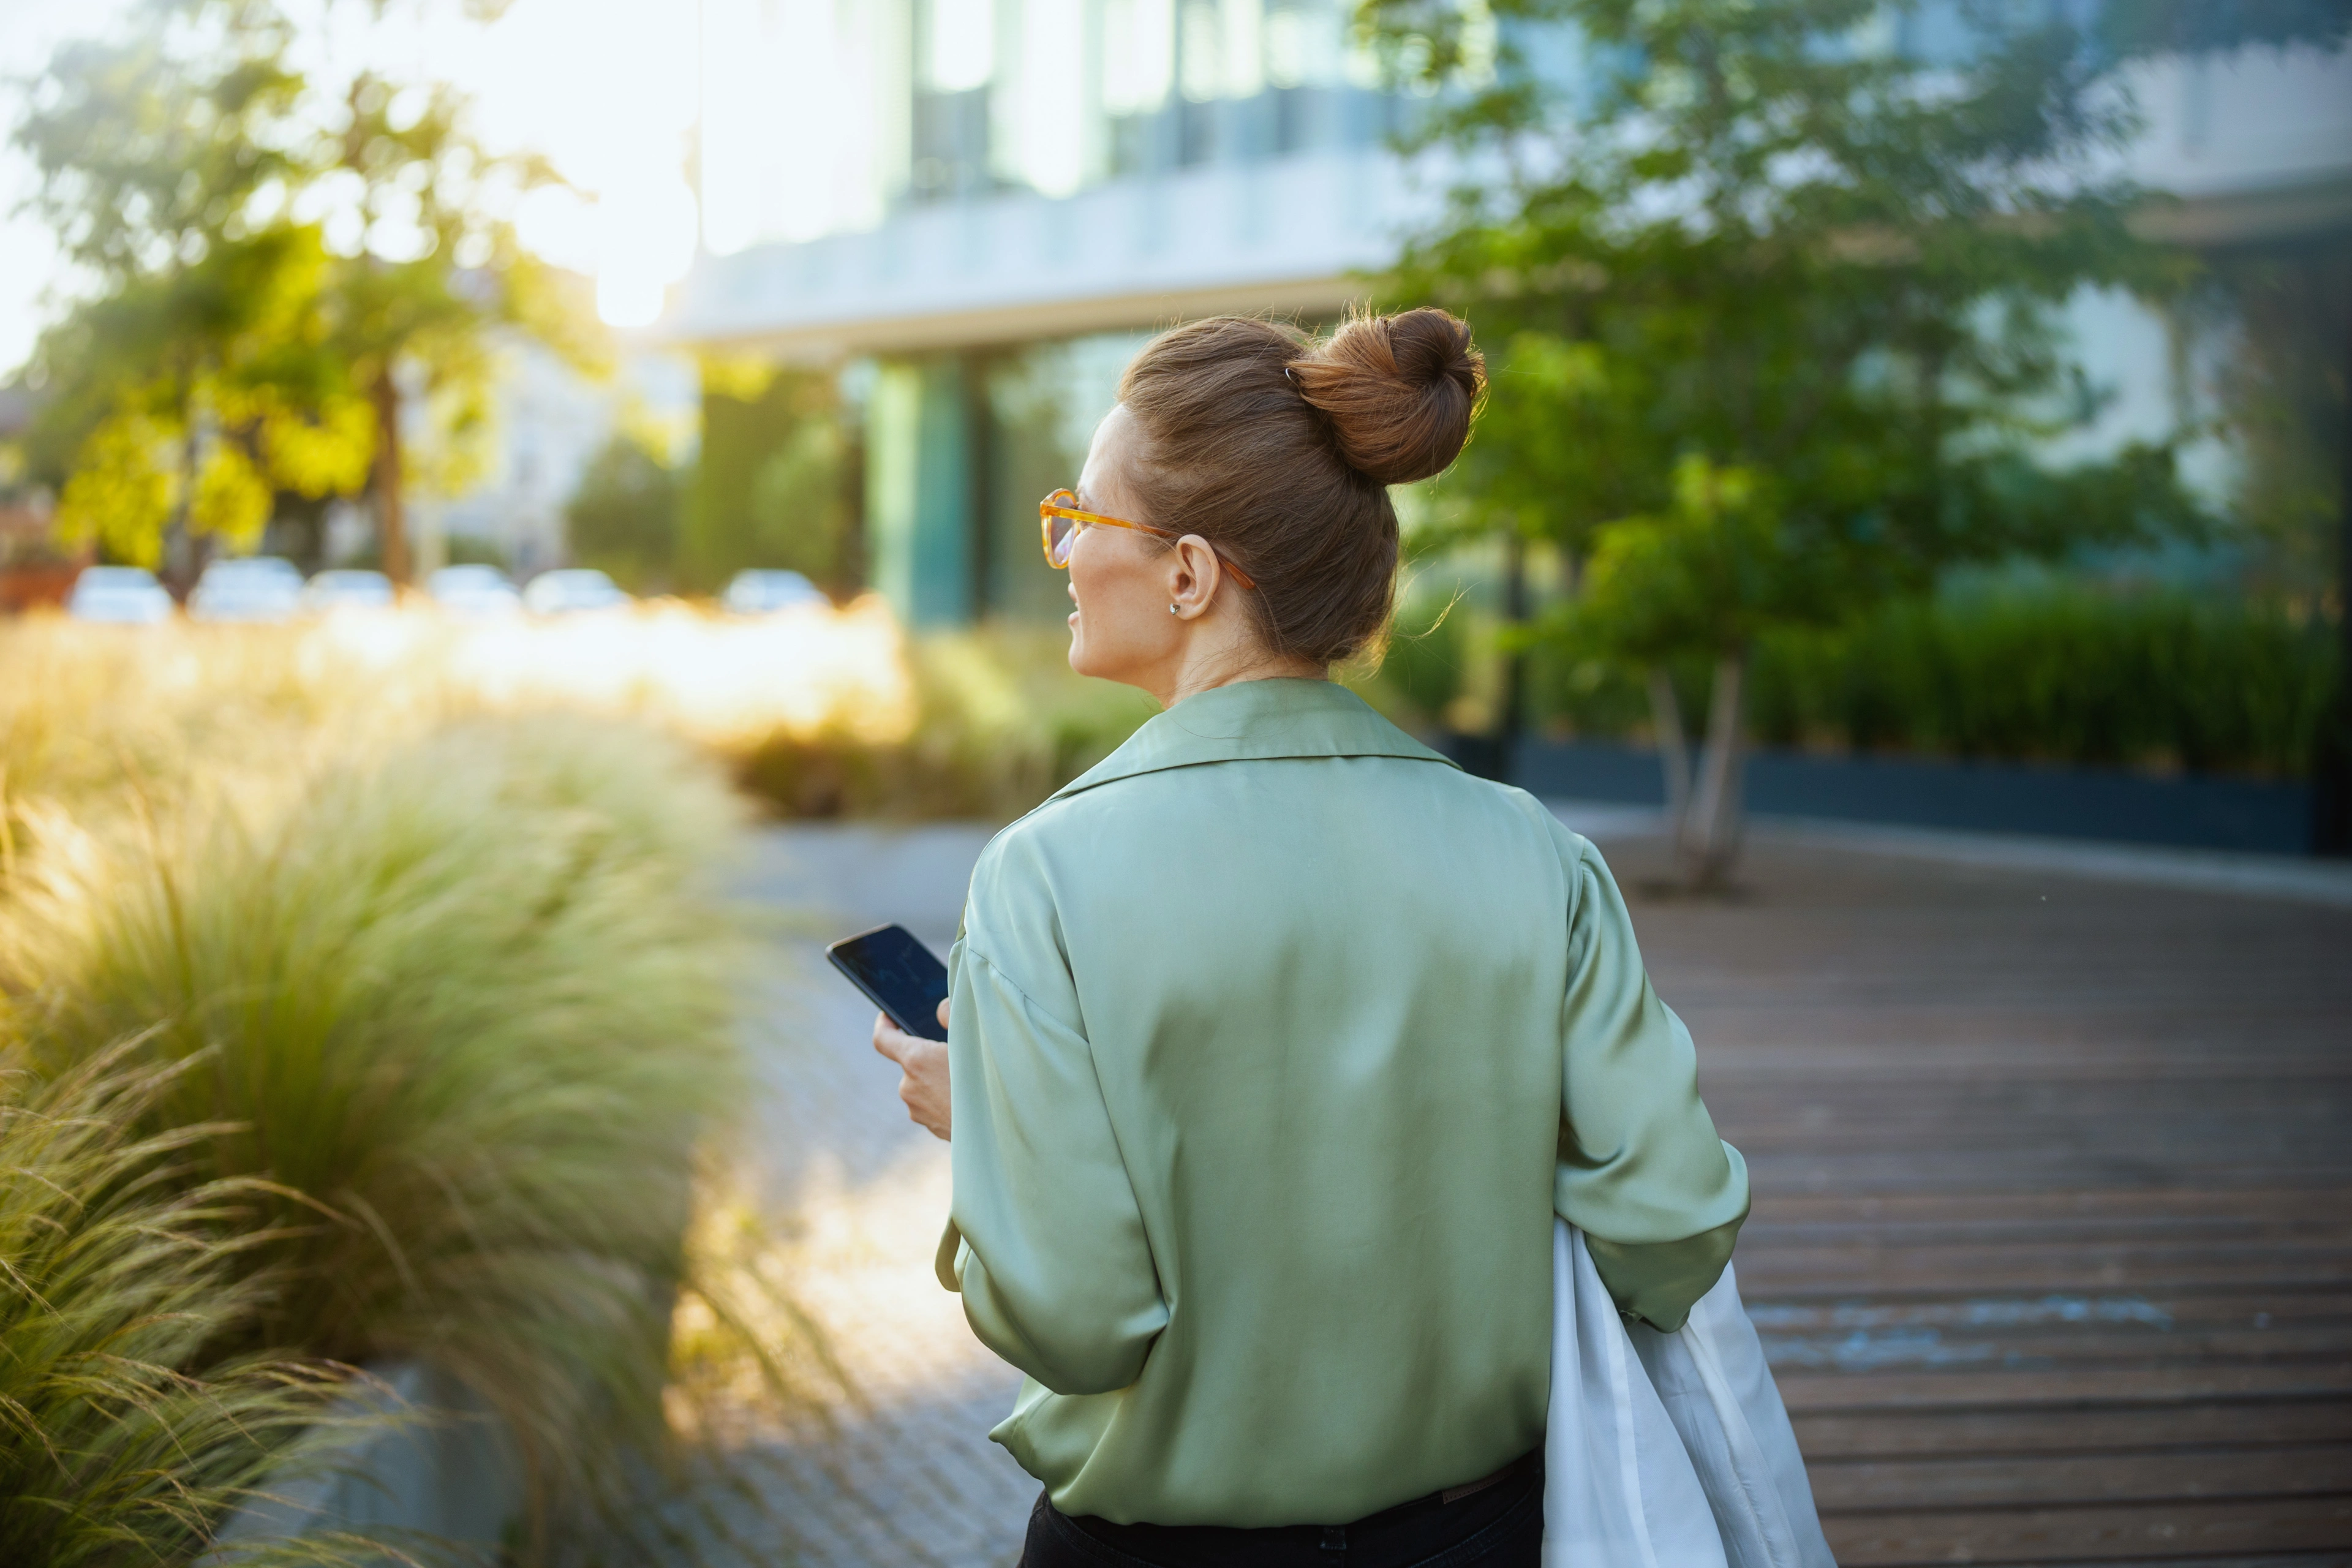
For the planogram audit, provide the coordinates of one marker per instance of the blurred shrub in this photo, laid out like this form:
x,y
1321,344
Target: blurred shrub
x,y
85,707
456,550
1426,663
474,550
623,515
1000,723
87,711
775,481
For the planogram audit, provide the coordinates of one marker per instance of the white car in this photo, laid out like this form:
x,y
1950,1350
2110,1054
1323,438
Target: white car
x,y
123,595
569,591
480,592
347,589
252,588
764,592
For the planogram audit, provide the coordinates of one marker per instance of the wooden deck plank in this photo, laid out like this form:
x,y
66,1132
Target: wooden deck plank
x,y
2053,1190
2060,1347
2138,1206
2045,1479
1968,1310
2336,1559
2051,1230
1802,1274
1931,1170
1994,1434
1976,1388
2087,1534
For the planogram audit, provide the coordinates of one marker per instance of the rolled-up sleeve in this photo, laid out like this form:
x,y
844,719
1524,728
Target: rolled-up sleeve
x,y
1659,1196
1047,1242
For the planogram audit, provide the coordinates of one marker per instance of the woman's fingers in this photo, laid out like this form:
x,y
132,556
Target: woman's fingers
x,y
923,1072
943,1012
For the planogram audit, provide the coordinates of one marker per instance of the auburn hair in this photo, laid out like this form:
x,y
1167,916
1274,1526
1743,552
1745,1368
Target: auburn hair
x,y
1279,449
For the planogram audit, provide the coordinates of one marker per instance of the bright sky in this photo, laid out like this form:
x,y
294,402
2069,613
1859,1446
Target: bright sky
x,y
606,89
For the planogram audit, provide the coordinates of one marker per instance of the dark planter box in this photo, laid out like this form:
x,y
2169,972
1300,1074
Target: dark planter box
x,y
2187,811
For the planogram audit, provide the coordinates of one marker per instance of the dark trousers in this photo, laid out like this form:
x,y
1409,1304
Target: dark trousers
x,y
1498,1526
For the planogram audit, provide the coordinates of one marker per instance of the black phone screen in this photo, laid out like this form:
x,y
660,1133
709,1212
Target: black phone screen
x,y
899,974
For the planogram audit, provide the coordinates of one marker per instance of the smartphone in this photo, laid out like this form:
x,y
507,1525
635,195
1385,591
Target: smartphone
x,y
899,974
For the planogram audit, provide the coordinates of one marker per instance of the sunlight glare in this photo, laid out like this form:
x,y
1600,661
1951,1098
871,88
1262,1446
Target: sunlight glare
x,y
738,109
608,90
960,49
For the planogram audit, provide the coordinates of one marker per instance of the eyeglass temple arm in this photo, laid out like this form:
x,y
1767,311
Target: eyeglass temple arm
x,y
1046,510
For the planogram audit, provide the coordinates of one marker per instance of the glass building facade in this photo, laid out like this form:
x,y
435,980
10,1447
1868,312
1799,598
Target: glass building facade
x,y
979,208
974,211
824,116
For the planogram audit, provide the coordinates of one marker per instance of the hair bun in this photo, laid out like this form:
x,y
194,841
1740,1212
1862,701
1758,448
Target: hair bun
x,y
1400,391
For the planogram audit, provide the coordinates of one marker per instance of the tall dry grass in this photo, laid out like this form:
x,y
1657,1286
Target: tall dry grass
x,y
80,705
135,1412
815,712
999,722
467,997
446,993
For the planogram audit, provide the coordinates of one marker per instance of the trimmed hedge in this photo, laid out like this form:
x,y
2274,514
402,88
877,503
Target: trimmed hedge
x,y
2061,673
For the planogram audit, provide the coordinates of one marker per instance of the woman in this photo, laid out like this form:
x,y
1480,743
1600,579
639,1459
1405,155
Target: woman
x,y
1277,1041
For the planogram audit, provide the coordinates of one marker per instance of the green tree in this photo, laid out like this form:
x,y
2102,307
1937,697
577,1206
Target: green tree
x,y
281,264
772,483
624,516
438,273
190,386
1772,306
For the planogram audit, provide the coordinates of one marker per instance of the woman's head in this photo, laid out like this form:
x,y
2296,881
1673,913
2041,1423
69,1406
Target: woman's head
x,y
1248,439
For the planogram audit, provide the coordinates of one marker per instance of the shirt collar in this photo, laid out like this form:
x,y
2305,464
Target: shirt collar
x,y
1254,721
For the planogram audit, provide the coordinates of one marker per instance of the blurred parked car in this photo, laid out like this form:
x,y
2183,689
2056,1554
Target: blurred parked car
x,y
472,590
347,589
126,595
570,590
248,589
764,593
254,588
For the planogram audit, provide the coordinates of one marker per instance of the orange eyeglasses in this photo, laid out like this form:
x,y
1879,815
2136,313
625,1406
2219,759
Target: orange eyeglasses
x,y
1059,522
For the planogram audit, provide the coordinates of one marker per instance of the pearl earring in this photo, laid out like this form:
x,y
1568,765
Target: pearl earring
x,y
1172,609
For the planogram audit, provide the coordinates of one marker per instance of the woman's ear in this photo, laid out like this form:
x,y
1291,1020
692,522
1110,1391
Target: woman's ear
x,y
1194,579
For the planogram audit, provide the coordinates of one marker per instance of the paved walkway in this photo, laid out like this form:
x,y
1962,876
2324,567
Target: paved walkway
x,y
908,1476
2050,1164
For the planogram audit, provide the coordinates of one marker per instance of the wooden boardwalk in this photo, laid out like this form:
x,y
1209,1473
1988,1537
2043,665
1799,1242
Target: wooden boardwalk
x,y
2052,1238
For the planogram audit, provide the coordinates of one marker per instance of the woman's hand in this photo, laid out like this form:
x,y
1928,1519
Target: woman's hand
x,y
923,1071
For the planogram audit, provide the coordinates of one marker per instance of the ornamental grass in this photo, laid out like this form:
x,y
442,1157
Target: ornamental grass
x,y
134,1411
433,1020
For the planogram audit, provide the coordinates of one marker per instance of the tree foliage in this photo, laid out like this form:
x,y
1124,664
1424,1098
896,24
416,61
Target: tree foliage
x,y
1772,293
624,516
184,387
1741,233
772,484
277,264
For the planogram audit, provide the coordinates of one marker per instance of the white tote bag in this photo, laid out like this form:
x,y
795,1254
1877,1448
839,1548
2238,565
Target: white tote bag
x,y
1667,1450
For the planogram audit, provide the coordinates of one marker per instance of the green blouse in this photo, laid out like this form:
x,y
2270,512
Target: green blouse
x,y
1276,1043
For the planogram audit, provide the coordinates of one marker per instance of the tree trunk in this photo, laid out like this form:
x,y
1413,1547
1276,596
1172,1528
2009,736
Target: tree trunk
x,y
1712,841
181,559
2331,781
1674,754
391,525
1514,718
